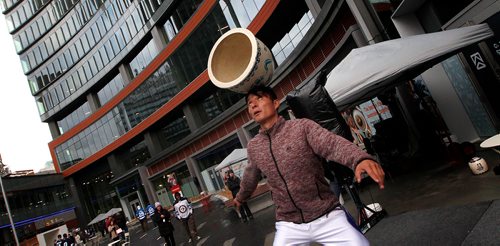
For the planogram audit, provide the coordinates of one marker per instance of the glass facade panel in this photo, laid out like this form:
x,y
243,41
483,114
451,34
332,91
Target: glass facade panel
x,y
74,118
289,42
111,89
134,156
142,59
218,102
38,27
174,130
215,156
96,192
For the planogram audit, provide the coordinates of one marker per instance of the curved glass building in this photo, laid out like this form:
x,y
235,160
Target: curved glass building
x,y
124,88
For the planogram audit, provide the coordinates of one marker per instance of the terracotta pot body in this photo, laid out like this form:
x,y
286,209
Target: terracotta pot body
x,y
238,60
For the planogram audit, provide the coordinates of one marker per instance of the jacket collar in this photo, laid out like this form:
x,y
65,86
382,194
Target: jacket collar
x,y
275,128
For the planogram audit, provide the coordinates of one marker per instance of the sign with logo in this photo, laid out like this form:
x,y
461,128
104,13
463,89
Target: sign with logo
x,y
478,61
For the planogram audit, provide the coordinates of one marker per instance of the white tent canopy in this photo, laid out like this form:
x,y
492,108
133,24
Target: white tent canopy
x,y
236,156
113,211
98,218
368,70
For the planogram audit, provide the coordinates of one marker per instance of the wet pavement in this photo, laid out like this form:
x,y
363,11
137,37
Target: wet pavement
x,y
430,203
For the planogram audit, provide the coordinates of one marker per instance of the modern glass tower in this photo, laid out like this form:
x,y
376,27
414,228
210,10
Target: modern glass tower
x,y
124,88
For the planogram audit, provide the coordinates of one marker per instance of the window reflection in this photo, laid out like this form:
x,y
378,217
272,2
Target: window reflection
x,y
174,130
111,89
218,102
144,57
96,192
289,42
74,118
215,156
132,157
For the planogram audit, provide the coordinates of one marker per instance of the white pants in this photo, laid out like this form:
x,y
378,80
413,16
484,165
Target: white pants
x,y
331,229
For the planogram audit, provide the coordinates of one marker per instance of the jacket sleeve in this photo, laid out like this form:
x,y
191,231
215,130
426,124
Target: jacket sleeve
x,y
156,217
249,181
190,207
333,147
176,213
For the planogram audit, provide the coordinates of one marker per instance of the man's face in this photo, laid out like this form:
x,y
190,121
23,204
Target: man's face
x,y
261,108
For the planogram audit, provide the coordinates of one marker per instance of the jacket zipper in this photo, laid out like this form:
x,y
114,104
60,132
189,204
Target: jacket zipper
x,y
317,189
284,181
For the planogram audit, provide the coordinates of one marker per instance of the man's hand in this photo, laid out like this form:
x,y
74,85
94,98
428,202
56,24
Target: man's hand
x,y
373,169
236,203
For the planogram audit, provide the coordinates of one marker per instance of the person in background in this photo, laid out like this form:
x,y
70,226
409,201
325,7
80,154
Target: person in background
x,y
65,241
121,221
59,241
289,153
162,218
233,184
78,240
103,227
141,215
113,230
184,213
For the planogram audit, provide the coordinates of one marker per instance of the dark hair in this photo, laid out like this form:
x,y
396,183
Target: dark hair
x,y
261,90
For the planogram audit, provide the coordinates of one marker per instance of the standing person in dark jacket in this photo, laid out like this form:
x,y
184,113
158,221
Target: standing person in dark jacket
x,y
162,218
289,153
121,221
233,183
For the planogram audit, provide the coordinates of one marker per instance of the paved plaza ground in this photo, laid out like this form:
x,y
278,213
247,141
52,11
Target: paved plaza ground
x,y
428,204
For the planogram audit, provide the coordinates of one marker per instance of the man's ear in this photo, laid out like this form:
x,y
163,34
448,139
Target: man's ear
x,y
276,103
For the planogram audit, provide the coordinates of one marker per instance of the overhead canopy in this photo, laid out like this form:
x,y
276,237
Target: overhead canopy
x,y
113,211
98,218
368,70
236,156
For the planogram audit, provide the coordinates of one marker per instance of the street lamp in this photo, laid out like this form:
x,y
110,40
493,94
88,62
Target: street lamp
x,y
7,202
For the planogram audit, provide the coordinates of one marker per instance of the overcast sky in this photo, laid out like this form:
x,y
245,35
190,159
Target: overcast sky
x,y
23,137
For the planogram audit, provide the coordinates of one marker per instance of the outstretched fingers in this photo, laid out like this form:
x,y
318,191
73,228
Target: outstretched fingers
x,y
373,169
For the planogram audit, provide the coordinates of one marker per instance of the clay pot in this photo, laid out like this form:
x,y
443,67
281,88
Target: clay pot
x,y
238,60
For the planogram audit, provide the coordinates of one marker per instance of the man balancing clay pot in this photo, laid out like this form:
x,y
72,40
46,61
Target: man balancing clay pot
x,y
289,153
